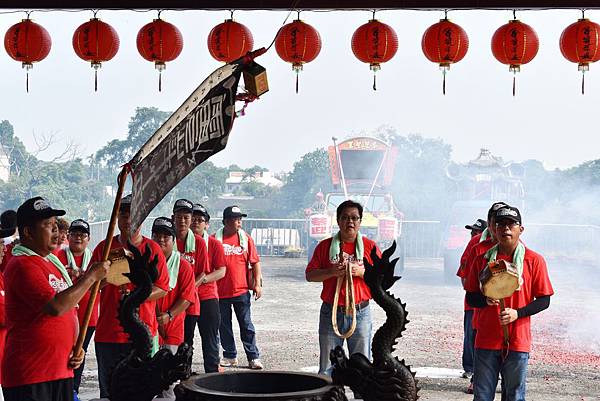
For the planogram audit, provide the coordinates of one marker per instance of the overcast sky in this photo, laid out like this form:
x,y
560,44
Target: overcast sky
x,y
549,119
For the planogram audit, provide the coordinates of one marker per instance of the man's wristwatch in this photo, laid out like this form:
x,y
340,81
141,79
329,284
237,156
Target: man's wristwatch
x,y
204,280
170,315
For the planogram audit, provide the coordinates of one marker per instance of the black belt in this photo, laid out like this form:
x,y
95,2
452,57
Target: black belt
x,y
359,306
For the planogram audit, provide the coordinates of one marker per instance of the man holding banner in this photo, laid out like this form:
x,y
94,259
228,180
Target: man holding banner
x,y
38,361
111,341
76,258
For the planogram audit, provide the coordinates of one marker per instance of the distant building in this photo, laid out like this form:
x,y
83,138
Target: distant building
x,y
4,165
237,178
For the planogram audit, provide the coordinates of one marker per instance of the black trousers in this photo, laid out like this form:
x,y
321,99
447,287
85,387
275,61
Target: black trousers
x,y
189,329
56,390
79,371
208,325
108,355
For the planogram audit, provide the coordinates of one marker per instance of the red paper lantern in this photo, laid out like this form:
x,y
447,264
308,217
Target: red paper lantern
x,y
445,43
298,43
28,43
515,44
579,44
159,42
95,41
374,43
229,41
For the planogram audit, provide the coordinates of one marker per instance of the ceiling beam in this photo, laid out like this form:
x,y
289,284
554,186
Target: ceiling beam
x,y
298,4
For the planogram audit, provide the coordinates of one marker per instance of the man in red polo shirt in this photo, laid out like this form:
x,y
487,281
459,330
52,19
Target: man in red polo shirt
x,y
5,232
533,295
210,318
182,291
111,341
325,266
234,288
38,360
76,258
193,249
478,245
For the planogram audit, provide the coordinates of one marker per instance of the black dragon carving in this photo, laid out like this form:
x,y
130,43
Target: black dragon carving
x,y
140,377
387,377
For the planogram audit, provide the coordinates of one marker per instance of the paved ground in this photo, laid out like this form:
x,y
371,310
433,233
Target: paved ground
x,y
564,365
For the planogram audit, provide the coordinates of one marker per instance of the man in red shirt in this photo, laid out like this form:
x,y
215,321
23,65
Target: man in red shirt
x,y
38,360
5,232
193,249
325,266
182,291
210,318
240,252
479,244
533,295
8,221
76,258
112,343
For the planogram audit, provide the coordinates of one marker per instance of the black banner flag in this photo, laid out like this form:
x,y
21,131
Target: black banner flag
x,y
197,130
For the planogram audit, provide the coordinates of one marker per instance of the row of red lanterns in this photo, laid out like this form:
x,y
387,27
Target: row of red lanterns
x,y
298,43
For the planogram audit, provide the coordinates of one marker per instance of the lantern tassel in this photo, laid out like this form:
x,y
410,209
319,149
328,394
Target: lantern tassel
x,y
160,81
514,84
27,81
95,80
297,82
444,82
583,83
374,81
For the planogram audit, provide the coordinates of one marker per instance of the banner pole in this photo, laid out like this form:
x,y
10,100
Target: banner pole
x,y
122,178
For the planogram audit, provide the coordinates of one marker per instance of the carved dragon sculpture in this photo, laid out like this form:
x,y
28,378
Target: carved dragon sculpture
x,y
140,376
387,377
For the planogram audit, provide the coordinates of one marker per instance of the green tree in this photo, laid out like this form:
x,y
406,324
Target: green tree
x,y
142,125
309,176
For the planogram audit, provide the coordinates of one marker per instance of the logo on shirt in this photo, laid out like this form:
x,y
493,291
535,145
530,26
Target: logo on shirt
x,y
189,258
1,293
57,284
232,250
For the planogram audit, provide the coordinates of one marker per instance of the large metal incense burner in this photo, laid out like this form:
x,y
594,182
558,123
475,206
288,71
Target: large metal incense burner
x,y
268,386
139,377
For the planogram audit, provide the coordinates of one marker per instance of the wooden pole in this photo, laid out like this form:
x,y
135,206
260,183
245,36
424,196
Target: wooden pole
x,y
107,243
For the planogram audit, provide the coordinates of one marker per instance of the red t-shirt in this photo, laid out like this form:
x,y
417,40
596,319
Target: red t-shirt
x,y
199,262
536,283
2,322
7,256
186,289
83,304
37,345
216,258
235,282
320,260
108,328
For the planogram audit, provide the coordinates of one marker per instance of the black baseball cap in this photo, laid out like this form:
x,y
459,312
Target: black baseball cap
x,y
8,223
126,202
183,205
508,213
163,225
80,225
479,225
35,209
233,212
494,208
201,210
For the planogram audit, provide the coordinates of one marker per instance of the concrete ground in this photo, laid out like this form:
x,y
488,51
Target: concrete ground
x,y
564,364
